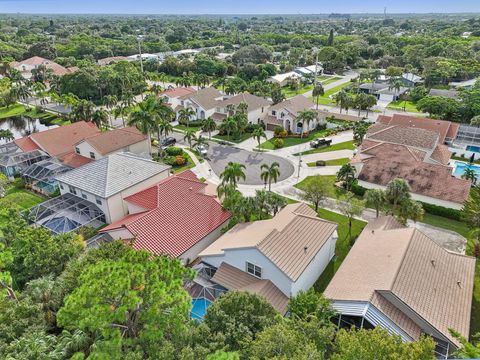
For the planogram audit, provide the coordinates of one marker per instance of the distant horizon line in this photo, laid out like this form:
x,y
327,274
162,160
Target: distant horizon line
x,y
248,14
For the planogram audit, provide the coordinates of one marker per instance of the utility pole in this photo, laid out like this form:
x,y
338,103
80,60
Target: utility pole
x,y
139,38
385,12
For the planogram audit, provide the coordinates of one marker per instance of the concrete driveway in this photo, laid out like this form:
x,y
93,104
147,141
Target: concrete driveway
x,y
220,155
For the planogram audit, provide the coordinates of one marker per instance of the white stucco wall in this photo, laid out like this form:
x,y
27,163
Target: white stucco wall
x,y
316,266
142,147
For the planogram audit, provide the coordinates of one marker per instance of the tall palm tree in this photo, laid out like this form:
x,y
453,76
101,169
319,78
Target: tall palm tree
x,y
317,92
142,119
242,108
258,134
38,88
232,173
189,136
306,117
342,99
346,174
470,174
184,115
376,199
100,118
395,84
397,191
110,101
165,127
6,134
199,141
83,110
209,125
229,125
270,173
21,92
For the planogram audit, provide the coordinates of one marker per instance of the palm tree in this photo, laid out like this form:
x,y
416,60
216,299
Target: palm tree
x,y
270,173
21,92
232,173
475,121
189,136
242,108
395,84
317,92
306,116
83,110
470,174
142,118
165,127
220,82
397,191
184,115
258,134
342,99
100,118
6,134
199,141
209,125
37,88
110,101
346,174
376,199
229,125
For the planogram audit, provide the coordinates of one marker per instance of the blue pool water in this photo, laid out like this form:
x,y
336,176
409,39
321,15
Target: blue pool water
x,y
460,168
199,308
473,148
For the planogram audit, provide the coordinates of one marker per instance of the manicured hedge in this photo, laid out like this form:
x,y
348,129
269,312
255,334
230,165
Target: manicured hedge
x,y
358,190
442,211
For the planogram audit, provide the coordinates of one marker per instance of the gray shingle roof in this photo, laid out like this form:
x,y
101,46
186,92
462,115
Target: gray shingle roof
x,y
112,174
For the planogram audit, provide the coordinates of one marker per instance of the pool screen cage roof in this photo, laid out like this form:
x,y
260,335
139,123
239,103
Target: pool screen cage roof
x,y
22,159
468,134
66,213
201,287
44,170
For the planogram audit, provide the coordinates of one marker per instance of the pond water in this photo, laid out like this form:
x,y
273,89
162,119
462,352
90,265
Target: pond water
x,y
22,126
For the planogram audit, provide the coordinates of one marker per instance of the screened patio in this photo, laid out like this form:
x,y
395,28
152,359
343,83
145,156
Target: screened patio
x,y
41,175
66,213
13,160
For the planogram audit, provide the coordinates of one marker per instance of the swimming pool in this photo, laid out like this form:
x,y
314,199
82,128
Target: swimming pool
x,y
460,168
199,308
473,148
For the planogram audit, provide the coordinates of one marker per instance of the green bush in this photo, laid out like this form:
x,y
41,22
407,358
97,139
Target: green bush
x,y
448,213
278,130
173,151
358,190
170,160
277,143
320,163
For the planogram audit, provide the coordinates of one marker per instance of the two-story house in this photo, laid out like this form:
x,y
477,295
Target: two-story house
x,y
203,102
256,107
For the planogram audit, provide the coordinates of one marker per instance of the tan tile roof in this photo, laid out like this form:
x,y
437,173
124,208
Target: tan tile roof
x,y
441,154
419,138
445,129
219,116
112,140
290,240
386,161
253,102
206,98
177,92
434,283
232,278
61,140
294,105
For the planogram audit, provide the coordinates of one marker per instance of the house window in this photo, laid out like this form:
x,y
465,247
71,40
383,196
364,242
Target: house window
x,y
254,270
282,115
84,195
92,155
72,190
98,201
61,186
274,112
77,150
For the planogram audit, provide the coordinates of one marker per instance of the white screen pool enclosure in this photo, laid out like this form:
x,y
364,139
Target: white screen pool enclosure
x,y
66,213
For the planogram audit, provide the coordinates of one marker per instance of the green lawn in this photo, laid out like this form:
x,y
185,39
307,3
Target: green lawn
x,y
301,90
12,110
347,145
242,138
188,165
325,99
184,128
21,197
465,159
444,223
330,80
333,191
335,162
400,105
291,141
342,248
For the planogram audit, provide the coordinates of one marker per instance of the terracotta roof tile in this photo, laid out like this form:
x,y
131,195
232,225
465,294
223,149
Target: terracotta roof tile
x,y
177,92
116,139
441,154
178,215
26,144
415,137
74,160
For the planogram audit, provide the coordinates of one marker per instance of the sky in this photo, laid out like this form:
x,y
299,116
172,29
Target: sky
x,y
236,7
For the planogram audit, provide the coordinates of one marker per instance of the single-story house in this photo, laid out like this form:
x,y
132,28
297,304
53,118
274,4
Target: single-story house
x,y
306,71
285,114
179,216
111,59
397,278
257,107
442,92
282,79
411,80
109,180
291,251
203,101
467,84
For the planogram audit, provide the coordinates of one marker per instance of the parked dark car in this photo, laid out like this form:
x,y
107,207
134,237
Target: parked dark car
x,y
169,141
320,143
